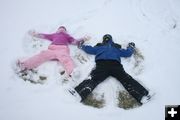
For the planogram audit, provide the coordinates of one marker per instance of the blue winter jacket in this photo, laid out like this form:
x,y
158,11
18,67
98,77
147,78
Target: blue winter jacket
x,y
108,51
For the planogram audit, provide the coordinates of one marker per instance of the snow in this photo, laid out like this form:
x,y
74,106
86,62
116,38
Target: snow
x,y
152,24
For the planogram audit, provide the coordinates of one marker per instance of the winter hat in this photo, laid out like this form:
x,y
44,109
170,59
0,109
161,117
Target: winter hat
x,y
107,37
62,27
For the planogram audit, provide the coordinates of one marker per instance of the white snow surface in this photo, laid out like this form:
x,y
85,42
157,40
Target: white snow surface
x,y
154,25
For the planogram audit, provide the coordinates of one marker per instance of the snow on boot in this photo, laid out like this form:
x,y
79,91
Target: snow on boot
x,y
65,79
75,74
73,92
18,67
147,98
20,71
30,75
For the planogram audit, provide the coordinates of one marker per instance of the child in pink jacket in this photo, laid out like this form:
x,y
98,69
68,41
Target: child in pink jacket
x,y
57,50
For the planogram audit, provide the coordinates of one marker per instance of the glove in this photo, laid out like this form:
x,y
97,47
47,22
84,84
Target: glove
x,y
131,44
80,43
33,33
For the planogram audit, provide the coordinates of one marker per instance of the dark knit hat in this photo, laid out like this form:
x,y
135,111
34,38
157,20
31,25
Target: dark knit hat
x,y
107,37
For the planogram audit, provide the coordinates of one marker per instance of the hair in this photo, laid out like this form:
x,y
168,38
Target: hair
x,y
62,27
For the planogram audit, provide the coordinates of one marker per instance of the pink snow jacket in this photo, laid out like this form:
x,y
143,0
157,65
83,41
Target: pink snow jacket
x,y
61,38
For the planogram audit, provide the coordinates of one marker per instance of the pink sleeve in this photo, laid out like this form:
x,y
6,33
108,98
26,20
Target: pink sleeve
x,y
46,36
75,41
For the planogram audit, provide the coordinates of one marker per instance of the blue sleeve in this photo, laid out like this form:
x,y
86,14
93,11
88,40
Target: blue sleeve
x,y
126,52
89,49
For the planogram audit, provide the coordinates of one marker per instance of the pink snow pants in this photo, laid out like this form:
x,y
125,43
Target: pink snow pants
x,y
54,52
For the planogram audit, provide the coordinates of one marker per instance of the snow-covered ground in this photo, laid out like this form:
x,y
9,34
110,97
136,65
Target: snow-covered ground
x,y
154,25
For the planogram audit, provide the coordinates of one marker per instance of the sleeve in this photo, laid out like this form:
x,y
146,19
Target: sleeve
x,y
75,41
89,49
45,36
126,52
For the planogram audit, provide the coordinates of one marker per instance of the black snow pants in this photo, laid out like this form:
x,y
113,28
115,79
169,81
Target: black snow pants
x,y
104,69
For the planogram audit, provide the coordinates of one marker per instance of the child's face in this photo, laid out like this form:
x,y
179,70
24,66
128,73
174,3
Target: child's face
x,y
61,29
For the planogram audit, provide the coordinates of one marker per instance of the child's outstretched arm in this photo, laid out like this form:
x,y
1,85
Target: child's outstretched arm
x,y
77,41
40,35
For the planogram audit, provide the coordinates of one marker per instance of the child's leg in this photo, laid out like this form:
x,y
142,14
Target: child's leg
x,y
98,75
38,59
67,63
130,84
62,54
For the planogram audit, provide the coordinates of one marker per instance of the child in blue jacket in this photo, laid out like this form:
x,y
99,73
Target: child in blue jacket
x,y
108,63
